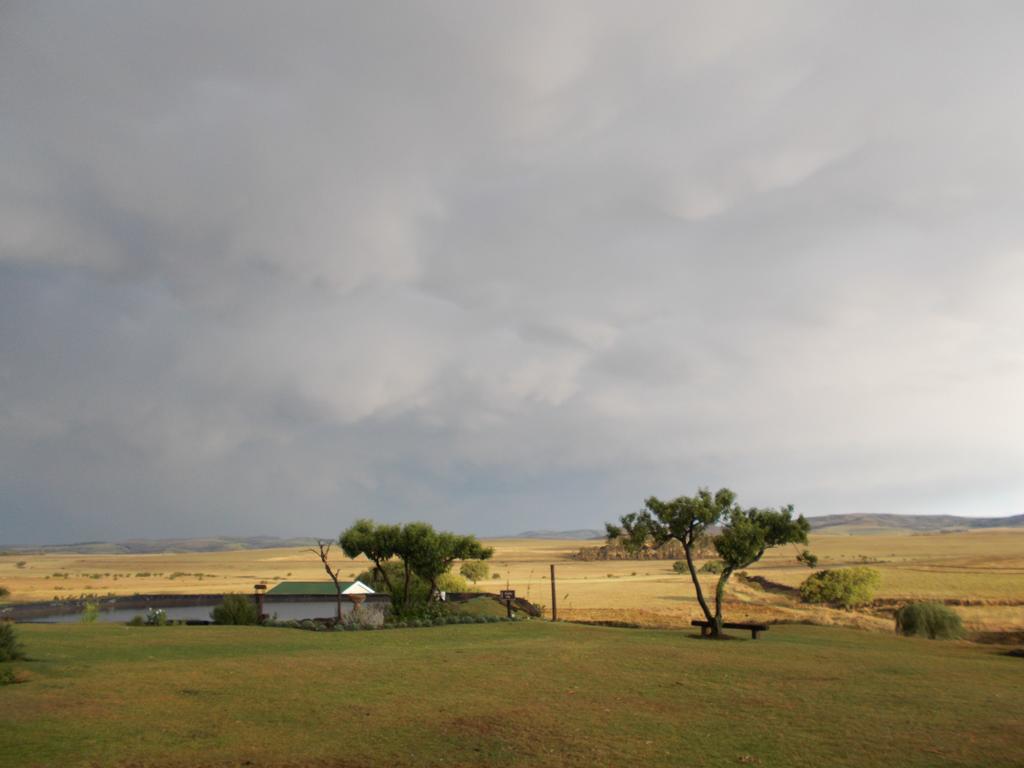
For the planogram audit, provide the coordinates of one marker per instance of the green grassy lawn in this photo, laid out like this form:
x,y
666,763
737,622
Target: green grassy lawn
x,y
526,694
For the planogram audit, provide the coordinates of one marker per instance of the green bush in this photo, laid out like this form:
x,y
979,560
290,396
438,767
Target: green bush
x,y
711,566
236,609
10,648
932,620
845,587
4,592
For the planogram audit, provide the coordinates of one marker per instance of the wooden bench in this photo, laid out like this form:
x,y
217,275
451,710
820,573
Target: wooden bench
x,y
705,627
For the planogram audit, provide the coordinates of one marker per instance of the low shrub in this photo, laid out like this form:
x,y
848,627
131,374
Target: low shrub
x,y
844,587
931,620
4,592
236,609
711,566
137,621
156,617
11,648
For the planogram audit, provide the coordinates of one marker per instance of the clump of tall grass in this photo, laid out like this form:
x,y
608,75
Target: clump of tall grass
x,y
90,613
931,620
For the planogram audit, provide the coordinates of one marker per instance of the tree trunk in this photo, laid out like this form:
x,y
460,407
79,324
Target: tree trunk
x,y
384,575
405,595
687,545
716,629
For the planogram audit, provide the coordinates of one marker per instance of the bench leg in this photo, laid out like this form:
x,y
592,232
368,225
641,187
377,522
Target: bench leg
x,y
753,634
705,631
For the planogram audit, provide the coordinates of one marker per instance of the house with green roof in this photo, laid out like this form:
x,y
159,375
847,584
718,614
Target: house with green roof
x,y
350,589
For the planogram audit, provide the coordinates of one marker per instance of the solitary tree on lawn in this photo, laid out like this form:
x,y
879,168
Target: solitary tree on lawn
x,y
744,536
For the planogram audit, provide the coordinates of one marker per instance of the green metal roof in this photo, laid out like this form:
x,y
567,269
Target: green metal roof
x,y
325,588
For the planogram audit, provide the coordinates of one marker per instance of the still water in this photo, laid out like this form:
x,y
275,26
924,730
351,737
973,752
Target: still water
x,y
284,611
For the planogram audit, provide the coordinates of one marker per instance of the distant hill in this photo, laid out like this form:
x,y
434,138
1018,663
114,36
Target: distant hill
x,y
883,523
157,546
579,533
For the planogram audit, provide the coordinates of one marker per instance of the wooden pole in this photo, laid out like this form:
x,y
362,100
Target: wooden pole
x,y
554,595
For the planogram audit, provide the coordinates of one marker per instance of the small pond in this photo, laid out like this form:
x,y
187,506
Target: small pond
x,y
177,608
284,612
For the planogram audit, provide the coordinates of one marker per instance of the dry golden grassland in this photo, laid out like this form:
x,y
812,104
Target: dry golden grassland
x,y
985,568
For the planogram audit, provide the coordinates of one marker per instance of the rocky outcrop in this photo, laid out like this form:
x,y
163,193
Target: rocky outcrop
x,y
670,550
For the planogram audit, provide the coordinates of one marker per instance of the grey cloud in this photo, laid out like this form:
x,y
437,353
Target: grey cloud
x,y
267,268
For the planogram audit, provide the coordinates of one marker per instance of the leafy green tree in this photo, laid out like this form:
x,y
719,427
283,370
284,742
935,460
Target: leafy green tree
x,y
379,543
475,570
743,538
422,552
432,553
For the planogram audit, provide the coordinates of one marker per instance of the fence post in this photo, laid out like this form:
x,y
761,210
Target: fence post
x,y
554,595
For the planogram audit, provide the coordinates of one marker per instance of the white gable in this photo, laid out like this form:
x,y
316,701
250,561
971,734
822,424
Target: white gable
x,y
357,588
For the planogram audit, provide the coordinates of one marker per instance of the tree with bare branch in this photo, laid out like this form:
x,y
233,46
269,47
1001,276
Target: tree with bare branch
x,y
323,551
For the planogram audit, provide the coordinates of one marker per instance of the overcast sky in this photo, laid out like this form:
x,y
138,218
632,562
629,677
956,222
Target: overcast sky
x,y
268,268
